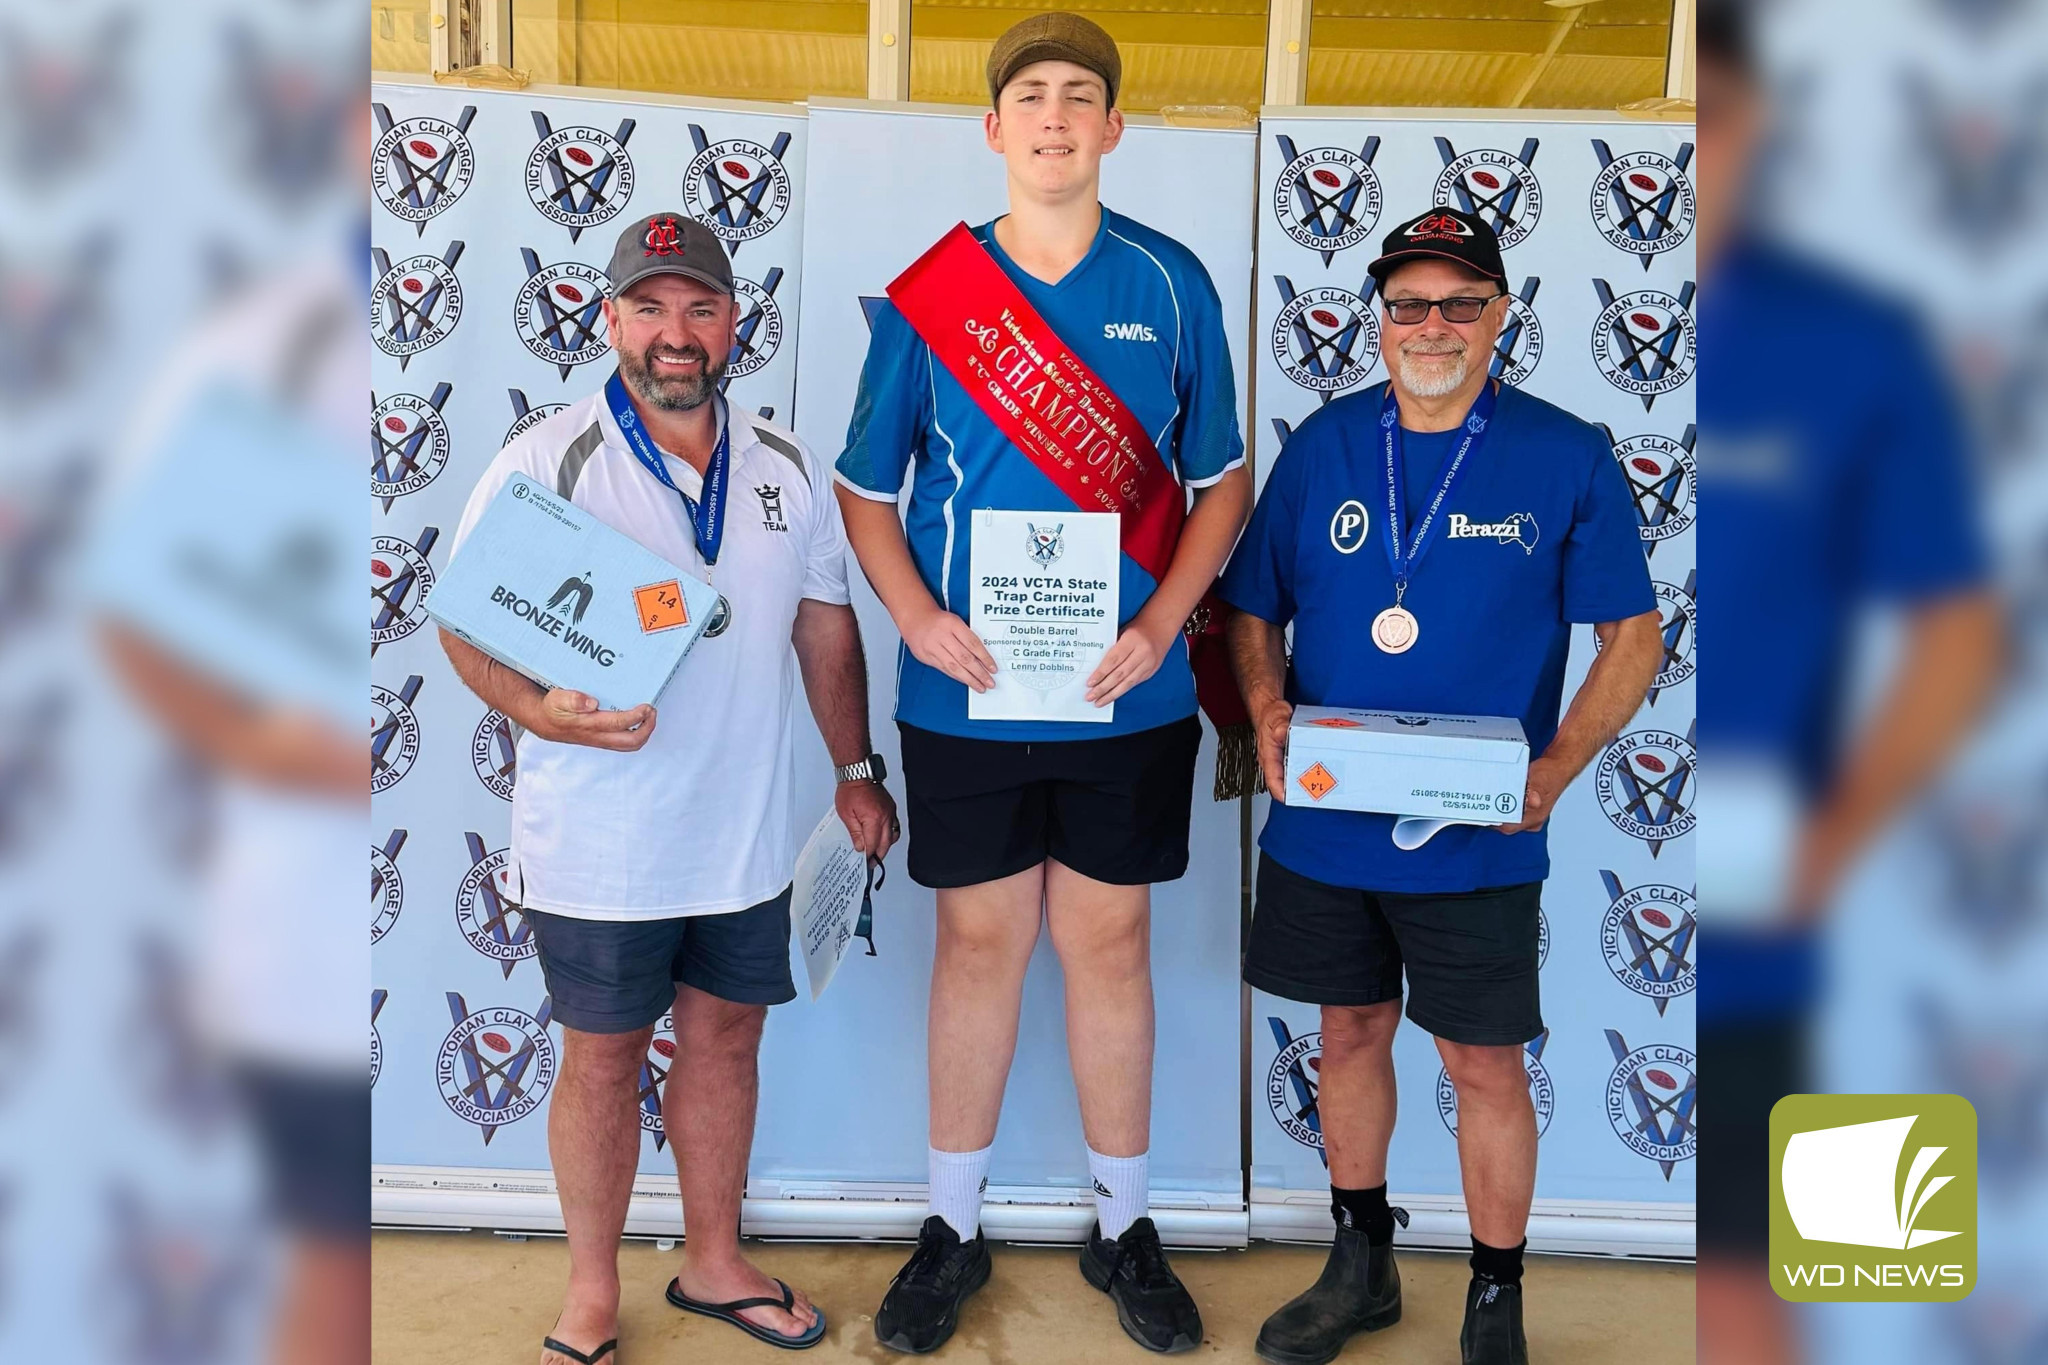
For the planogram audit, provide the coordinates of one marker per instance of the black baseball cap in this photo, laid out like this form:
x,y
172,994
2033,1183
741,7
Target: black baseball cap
x,y
1442,234
669,244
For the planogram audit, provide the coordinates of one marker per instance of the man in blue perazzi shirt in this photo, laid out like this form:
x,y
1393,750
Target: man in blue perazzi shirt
x,y
1516,523
1017,820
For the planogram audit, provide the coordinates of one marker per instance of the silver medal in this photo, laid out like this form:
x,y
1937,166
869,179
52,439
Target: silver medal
x,y
1395,629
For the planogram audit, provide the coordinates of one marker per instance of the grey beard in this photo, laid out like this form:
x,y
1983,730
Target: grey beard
x,y
679,394
1431,382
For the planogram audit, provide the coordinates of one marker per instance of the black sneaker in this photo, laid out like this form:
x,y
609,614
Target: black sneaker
x,y
1151,1302
1358,1291
922,1306
1492,1334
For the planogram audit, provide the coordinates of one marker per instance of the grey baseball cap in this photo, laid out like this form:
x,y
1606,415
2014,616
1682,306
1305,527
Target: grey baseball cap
x,y
669,244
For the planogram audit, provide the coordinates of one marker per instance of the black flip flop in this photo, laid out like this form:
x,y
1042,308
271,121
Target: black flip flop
x,y
550,1344
730,1312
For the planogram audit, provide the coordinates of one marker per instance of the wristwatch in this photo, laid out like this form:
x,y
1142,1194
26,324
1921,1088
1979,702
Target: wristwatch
x,y
869,769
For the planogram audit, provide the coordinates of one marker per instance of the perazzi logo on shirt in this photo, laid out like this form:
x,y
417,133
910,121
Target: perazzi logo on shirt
x,y
1517,529
1127,331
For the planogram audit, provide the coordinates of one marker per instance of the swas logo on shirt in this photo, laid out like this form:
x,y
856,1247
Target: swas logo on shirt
x,y
1127,331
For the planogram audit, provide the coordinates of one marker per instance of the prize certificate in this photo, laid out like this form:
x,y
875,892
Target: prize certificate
x,y
1044,601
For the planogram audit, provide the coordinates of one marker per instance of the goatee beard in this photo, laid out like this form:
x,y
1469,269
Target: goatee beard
x,y
672,393
1431,381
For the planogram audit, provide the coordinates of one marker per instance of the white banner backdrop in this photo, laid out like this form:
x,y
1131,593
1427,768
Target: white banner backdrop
x,y
493,218
889,181
1595,217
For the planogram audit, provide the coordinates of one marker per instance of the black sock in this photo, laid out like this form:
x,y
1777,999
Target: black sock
x,y
1501,1265
1365,1210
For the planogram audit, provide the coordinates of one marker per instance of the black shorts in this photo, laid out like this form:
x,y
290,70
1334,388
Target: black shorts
x,y
1115,809
614,976
1470,956
1757,1062
314,1133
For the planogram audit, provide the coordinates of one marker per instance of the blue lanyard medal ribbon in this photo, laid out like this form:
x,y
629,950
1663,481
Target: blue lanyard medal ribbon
x,y
707,517
1395,630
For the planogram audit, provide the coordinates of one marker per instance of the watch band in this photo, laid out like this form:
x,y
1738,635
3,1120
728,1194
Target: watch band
x,y
869,769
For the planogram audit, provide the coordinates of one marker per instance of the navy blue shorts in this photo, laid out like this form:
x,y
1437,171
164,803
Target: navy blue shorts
x,y
614,976
314,1132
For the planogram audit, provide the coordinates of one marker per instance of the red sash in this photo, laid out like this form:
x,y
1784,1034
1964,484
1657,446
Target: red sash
x,y
1068,423
1041,395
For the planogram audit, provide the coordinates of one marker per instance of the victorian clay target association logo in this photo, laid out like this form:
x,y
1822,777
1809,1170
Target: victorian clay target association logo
x,y
579,177
409,442
1644,783
394,733
1327,198
1646,939
1541,1093
377,999
1874,1198
387,887
738,188
526,416
758,333
496,1065
415,303
1678,624
1293,1085
420,167
491,919
1520,343
1660,479
494,755
1326,339
1643,343
1497,187
1643,202
654,1069
400,579
559,314
1652,1100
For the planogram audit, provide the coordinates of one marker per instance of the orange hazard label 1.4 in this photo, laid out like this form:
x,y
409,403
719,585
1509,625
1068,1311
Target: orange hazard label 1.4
x,y
1317,782
661,606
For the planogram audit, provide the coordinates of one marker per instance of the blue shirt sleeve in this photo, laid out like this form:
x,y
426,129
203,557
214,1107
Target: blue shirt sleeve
x,y
1259,579
1606,575
891,410
1209,443
1917,533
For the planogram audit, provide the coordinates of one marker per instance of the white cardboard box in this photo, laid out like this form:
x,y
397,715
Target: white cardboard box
x,y
1470,769
545,587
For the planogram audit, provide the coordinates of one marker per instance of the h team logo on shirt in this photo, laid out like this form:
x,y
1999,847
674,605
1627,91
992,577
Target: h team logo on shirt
x,y
1326,339
1644,342
1647,936
387,888
579,177
400,579
1643,202
1497,186
738,189
497,1064
771,506
1327,198
1517,528
1541,1093
1652,1100
559,313
394,733
492,921
494,756
409,443
421,167
415,303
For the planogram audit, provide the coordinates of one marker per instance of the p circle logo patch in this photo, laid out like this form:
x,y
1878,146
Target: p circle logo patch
x,y
1349,526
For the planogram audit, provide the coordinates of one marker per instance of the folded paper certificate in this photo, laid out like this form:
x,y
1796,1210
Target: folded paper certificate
x,y
1044,598
831,883
545,587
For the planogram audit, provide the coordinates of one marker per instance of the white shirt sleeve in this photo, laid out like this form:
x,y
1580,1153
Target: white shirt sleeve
x,y
825,555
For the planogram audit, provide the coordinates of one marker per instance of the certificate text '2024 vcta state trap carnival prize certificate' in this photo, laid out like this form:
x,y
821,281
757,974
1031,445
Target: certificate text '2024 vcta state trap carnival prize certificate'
x,y
1045,603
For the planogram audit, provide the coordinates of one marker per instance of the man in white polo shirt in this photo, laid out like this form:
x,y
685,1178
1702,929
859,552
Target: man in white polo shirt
x,y
654,859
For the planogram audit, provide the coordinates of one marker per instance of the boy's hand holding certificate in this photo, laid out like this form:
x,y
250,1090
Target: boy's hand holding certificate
x,y
1044,601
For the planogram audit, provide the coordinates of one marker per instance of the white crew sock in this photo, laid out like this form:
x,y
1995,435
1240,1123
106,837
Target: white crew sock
x,y
958,1181
1123,1189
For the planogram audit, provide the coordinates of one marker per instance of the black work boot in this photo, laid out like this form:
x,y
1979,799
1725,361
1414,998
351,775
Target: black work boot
x,y
1492,1334
1360,1291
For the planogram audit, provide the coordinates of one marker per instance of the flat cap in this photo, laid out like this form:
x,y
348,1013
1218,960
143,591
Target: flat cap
x,y
1054,37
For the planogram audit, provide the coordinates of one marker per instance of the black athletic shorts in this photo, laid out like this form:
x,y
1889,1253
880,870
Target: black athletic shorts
x,y
1756,1062
1470,956
1115,809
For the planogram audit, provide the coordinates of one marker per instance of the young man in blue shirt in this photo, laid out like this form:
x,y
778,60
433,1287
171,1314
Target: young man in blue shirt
x,y
1014,820
1518,523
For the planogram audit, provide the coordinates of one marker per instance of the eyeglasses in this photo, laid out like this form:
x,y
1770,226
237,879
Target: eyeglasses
x,y
1463,308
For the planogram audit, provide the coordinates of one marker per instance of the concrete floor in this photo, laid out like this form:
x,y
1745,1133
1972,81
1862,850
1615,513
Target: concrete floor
x,y
464,1298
